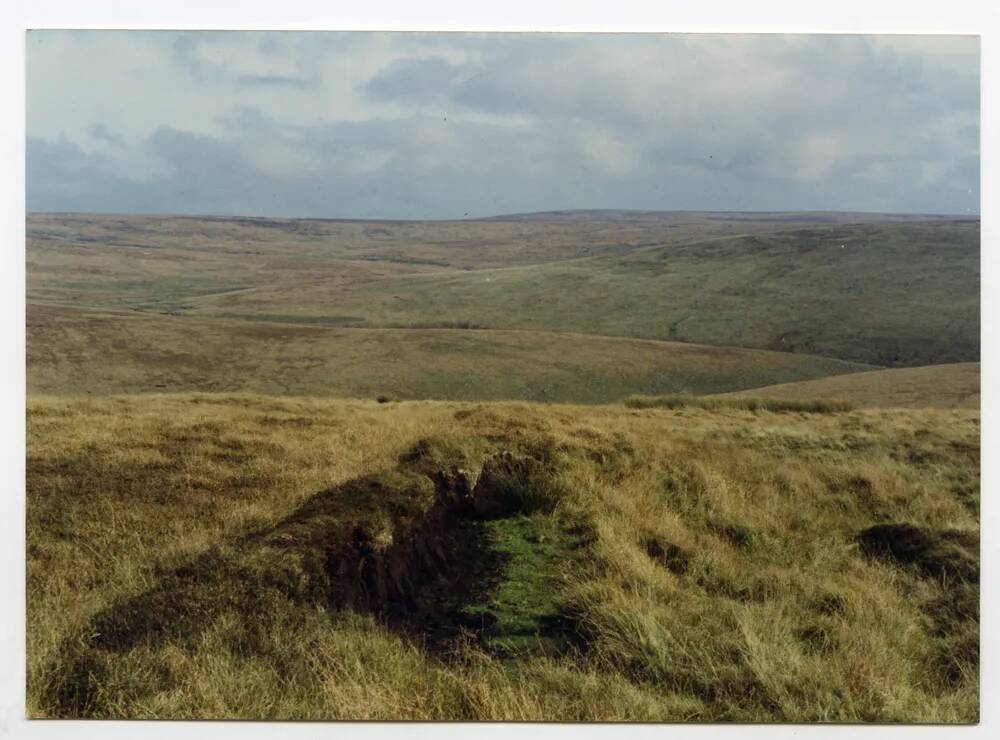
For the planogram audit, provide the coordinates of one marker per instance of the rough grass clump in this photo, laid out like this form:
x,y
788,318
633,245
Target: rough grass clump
x,y
737,403
948,554
509,484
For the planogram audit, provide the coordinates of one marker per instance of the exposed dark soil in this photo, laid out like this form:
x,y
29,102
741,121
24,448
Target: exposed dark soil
x,y
438,580
434,575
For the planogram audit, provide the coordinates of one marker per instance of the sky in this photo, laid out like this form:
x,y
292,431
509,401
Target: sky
x,y
452,125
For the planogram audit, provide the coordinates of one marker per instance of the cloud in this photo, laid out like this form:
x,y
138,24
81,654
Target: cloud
x,y
103,133
62,178
415,80
437,125
300,83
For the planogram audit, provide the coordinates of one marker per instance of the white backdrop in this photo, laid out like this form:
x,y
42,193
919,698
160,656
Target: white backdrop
x,y
843,16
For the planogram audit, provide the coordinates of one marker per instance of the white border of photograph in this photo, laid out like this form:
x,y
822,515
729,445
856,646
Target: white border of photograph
x,y
845,16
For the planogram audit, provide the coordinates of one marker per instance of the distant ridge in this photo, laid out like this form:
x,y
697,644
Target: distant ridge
x,y
597,214
582,214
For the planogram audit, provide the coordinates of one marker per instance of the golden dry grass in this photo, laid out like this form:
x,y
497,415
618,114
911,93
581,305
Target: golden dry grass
x,y
721,578
79,351
934,386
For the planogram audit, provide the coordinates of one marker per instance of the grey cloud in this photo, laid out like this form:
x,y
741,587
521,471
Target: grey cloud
x,y
412,168
681,78
300,83
418,170
192,154
539,122
271,45
415,80
196,54
103,133
184,48
62,178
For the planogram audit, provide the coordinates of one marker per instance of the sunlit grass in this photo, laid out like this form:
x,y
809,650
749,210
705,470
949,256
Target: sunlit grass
x,y
709,559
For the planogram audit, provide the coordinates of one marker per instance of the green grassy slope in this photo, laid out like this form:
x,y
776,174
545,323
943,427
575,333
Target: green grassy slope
x,y
887,294
891,292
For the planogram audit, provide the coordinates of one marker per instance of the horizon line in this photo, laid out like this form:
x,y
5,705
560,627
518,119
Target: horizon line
x,y
511,215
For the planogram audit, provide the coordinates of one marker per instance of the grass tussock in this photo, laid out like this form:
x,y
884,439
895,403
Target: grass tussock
x,y
802,568
753,405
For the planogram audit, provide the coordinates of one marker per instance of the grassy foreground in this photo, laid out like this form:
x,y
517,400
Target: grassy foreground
x,y
726,563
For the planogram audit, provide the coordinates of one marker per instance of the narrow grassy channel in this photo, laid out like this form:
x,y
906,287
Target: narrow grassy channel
x,y
536,552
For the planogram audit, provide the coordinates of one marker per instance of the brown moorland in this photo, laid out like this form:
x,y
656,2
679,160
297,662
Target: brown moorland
x,y
933,386
236,508
81,351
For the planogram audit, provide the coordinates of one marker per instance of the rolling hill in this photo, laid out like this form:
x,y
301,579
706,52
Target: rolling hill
x,y
896,292
891,295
